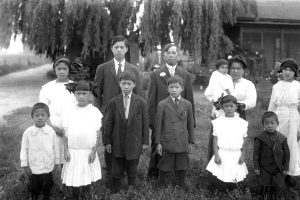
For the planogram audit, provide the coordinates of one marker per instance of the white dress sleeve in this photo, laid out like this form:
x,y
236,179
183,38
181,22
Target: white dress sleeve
x,y
43,97
251,95
272,105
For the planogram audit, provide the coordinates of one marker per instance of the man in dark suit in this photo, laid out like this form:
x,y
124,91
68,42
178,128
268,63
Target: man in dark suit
x,y
107,77
158,91
126,131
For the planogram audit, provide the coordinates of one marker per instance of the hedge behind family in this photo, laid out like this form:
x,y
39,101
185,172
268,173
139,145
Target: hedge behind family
x,y
68,142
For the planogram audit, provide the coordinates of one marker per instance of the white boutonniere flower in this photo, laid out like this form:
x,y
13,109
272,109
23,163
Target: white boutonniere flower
x,y
162,74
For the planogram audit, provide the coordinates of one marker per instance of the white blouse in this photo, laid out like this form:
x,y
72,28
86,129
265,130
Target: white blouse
x,y
81,125
285,94
244,91
58,98
230,132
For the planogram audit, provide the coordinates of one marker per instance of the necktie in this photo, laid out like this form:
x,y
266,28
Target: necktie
x,y
177,102
126,104
119,69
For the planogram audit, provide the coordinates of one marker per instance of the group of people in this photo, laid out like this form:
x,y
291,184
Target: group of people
x,y
119,115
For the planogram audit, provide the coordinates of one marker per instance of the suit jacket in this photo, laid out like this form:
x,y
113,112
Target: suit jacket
x,y
158,89
271,156
127,136
109,83
174,127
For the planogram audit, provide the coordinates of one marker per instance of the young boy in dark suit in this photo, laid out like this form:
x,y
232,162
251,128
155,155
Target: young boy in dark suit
x,y
126,131
107,77
158,91
174,133
271,157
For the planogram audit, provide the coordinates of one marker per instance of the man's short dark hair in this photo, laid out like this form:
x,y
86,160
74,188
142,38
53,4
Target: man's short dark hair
x,y
269,114
40,105
119,38
175,79
168,46
127,75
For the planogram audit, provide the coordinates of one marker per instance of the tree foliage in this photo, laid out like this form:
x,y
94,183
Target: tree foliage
x,y
196,25
84,27
78,28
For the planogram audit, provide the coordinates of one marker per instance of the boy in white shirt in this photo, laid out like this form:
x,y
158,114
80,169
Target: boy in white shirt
x,y
39,153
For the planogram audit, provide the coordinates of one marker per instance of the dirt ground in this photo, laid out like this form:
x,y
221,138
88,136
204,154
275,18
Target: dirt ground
x,y
21,89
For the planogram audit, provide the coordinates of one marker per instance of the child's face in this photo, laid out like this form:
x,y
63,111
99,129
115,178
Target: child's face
x,y
288,74
127,86
223,69
82,97
270,124
175,89
229,109
62,72
40,117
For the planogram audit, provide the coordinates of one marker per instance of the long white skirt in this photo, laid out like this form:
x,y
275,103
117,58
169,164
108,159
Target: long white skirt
x,y
289,122
78,172
229,170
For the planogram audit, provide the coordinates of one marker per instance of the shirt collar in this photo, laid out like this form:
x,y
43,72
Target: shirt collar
x,y
129,95
171,67
117,62
179,98
36,130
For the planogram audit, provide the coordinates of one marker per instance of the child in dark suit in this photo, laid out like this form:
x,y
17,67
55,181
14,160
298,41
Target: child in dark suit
x,y
174,132
126,131
271,157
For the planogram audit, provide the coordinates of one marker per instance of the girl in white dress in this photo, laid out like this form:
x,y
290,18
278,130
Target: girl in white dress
x,y
55,95
285,103
229,131
81,124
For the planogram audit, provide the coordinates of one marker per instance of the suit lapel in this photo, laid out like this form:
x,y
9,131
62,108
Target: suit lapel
x,y
133,107
166,71
120,106
172,107
264,138
113,70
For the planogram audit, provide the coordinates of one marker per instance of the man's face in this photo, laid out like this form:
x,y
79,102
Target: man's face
x,y
171,56
119,50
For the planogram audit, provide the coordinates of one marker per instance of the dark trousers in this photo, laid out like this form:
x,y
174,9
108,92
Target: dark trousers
x,y
119,166
107,156
76,193
165,178
153,171
40,183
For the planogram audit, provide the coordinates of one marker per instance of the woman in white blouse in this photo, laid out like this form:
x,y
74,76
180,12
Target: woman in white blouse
x,y
242,89
55,95
284,102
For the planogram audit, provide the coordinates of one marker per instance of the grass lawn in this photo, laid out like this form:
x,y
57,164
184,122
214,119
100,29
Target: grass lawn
x,y
12,183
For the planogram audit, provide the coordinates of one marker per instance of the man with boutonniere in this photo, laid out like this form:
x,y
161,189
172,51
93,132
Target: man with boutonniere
x,y
158,91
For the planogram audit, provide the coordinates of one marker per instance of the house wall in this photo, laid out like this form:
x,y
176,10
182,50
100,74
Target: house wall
x,y
274,43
